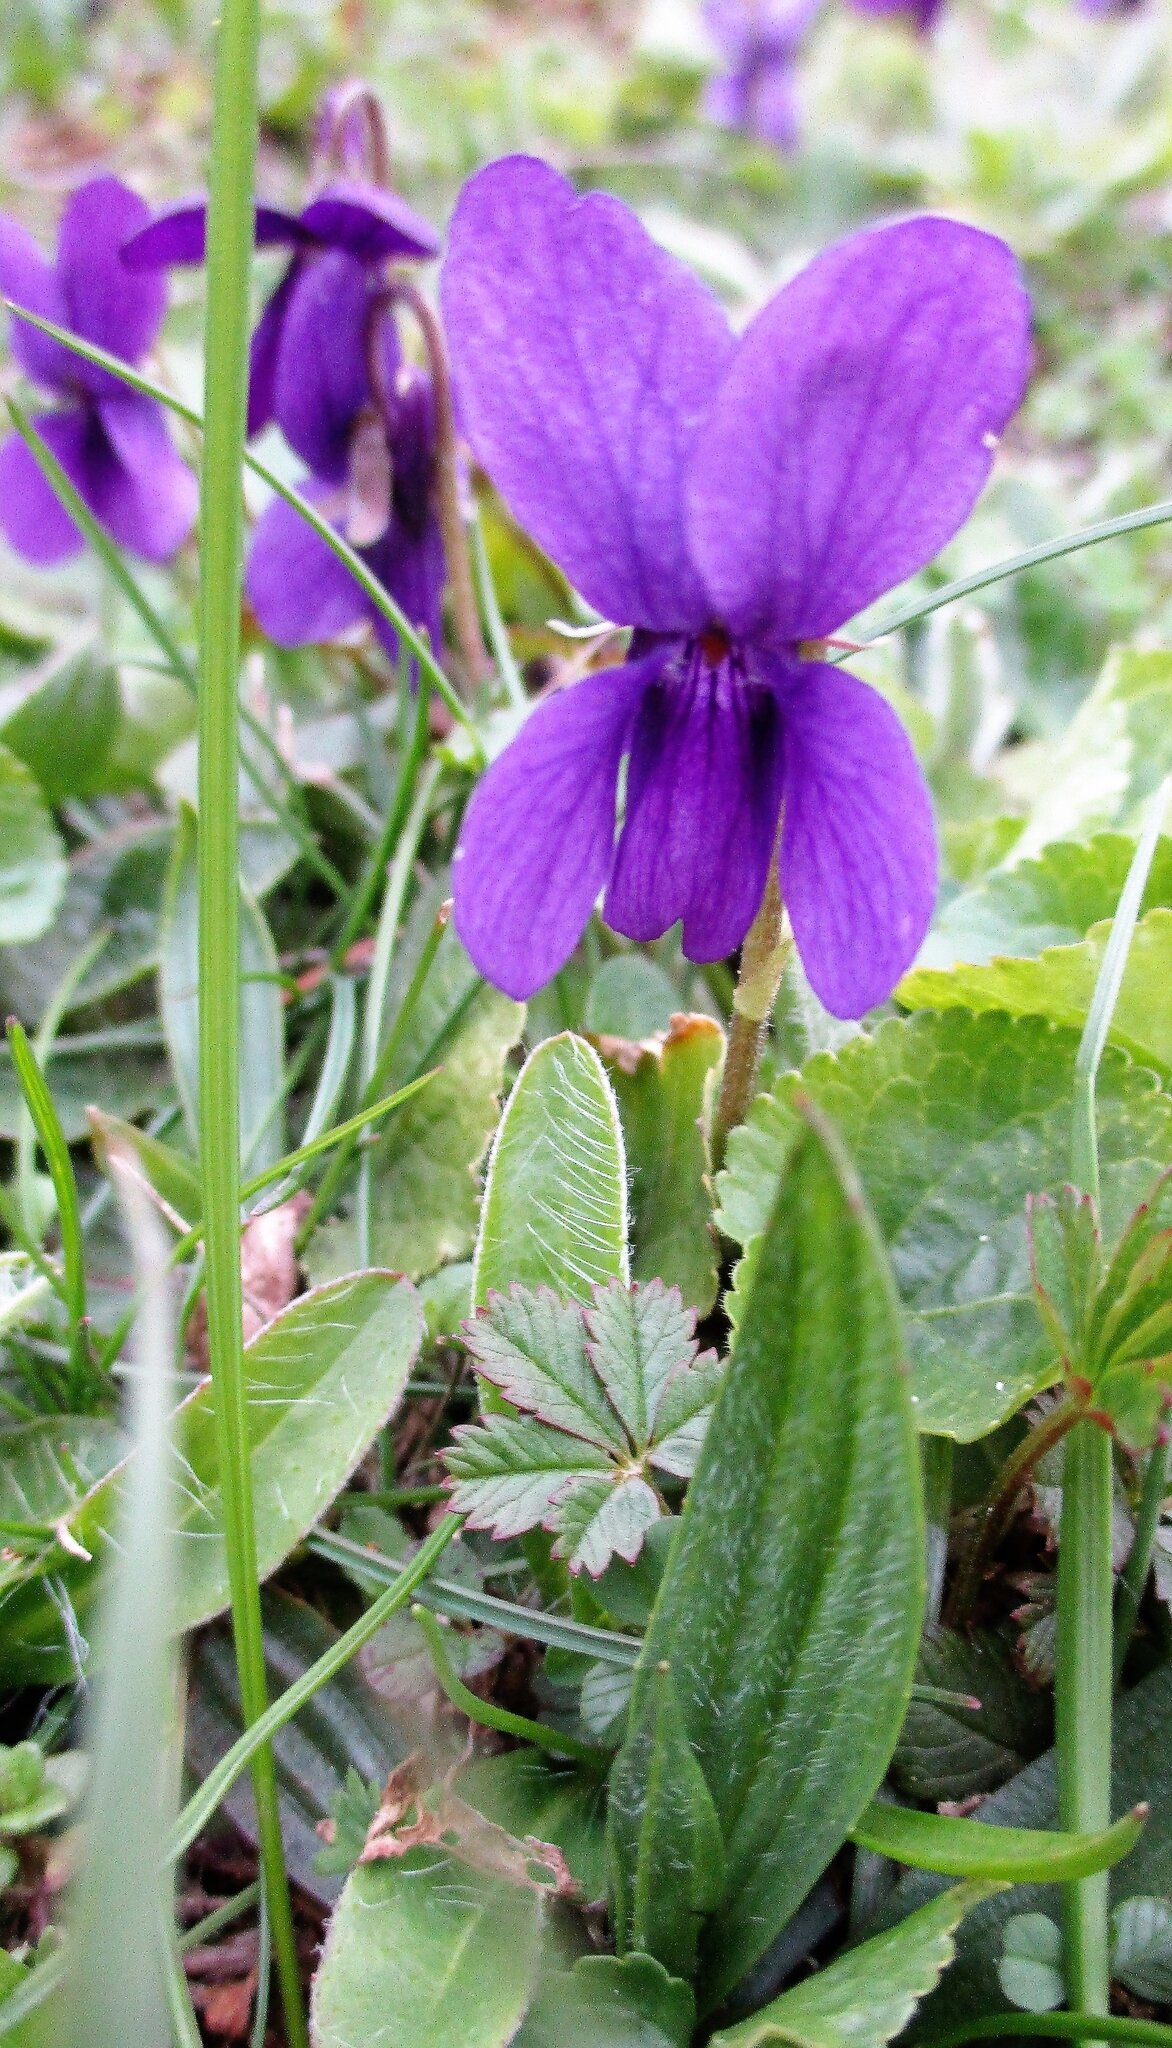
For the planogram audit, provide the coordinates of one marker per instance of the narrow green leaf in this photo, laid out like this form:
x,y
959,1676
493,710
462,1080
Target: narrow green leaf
x,y
172,1176
427,1954
666,1852
867,1995
790,1608
970,1848
555,1199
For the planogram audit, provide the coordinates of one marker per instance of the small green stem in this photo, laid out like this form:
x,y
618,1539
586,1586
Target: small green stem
x,y
489,1715
229,256
213,1923
1083,1690
1135,1572
1057,2026
763,956
498,633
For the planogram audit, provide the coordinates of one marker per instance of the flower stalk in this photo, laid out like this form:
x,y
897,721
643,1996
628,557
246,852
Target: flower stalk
x,y
767,947
229,251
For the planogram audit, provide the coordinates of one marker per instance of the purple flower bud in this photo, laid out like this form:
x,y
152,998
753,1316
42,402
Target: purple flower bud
x,y
733,500
112,442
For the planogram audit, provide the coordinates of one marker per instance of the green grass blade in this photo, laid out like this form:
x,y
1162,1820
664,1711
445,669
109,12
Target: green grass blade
x,y
47,1125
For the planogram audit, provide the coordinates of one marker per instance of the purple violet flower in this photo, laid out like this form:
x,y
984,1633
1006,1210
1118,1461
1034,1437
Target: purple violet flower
x,y
365,422
923,12
735,501
759,42
112,442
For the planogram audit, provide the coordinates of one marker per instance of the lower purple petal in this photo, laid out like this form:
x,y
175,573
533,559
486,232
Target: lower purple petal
x,y
858,848
703,794
538,837
32,518
410,566
298,589
138,485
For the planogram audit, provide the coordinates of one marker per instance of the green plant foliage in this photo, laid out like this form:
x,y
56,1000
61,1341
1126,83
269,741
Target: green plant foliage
x,y
611,1396
323,1377
1113,755
610,2002
534,1795
32,859
424,1166
868,1995
431,1954
661,1088
36,1790
949,1752
1059,985
953,1120
65,726
1052,900
555,1199
1030,1970
801,1537
967,1848
1141,1947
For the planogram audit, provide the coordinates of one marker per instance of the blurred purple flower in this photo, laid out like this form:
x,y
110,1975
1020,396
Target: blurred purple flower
x,y
923,12
759,42
734,501
351,217
365,421
112,442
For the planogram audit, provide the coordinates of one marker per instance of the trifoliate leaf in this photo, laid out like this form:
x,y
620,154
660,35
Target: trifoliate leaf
x,y
610,1392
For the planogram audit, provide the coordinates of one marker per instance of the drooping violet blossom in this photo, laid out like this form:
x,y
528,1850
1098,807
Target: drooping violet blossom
x,y
353,217
366,421
759,42
113,443
735,501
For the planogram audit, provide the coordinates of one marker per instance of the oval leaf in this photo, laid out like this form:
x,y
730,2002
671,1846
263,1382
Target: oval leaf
x,y
790,1609
555,1200
32,858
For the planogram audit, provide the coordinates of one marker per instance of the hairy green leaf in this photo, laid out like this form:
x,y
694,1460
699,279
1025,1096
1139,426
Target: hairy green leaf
x,y
660,1088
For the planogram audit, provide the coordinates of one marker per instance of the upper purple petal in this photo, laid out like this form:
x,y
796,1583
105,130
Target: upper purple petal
x,y
858,843
30,280
703,794
368,222
297,587
856,425
585,358
138,485
106,303
180,235
32,517
538,835
322,375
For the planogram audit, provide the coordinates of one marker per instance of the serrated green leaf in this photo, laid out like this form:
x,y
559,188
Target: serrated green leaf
x,y
425,1195
32,858
427,1954
555,1198
1066,1259
660,1089
970,1848
953,1119
323,1377
1030,1970
610,2002
1141,1947
1059,984
609,1391
1050,901
801,1536
866,1996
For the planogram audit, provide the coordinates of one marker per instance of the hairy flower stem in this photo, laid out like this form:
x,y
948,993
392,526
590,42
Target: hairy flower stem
x,y
763,957
453,526
999,1509
230,227
1083,1690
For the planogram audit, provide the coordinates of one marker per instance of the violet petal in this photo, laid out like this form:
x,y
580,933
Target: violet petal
x,y
138,484
585,358
368,222
538,836
179,236
322,379
265,351
703,794
857,425
27,278
410,565
107,304
298,589
858,849
33,520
